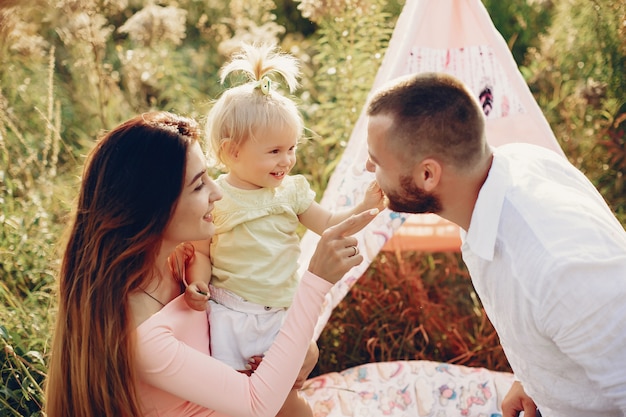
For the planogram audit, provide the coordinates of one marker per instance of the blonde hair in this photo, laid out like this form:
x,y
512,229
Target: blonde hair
x,y
256,105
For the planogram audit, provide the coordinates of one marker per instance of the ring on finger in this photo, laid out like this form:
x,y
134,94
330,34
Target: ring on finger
x,y
356,251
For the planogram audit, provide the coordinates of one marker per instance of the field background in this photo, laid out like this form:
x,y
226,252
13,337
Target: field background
x,y
71,69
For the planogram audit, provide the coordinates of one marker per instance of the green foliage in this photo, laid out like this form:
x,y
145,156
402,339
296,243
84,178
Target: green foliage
x,y
27,241
31,219
583,92
29,210
24,337
349,47
611,148
520,22
409,306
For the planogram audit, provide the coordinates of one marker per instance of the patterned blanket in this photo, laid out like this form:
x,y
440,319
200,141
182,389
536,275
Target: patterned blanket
x,y
408,388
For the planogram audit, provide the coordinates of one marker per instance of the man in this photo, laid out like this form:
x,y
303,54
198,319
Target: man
x,y
546,254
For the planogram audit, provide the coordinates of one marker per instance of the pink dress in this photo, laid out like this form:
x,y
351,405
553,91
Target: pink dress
x,y
178,377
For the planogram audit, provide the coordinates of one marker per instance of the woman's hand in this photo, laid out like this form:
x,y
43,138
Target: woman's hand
x,y
337,251
310,360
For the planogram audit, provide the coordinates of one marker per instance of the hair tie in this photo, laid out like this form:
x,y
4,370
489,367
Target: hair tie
x,y
265,85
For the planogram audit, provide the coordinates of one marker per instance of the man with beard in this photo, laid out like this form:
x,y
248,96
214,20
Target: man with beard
x,y
545,252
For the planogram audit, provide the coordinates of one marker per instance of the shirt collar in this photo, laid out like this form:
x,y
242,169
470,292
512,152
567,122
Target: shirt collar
x,y
483,229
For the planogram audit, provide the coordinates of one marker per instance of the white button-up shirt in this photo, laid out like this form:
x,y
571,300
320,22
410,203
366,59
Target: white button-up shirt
x,y
548,259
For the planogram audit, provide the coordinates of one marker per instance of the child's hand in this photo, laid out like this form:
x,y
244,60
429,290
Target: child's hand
x,y
374,197
253,363
197,295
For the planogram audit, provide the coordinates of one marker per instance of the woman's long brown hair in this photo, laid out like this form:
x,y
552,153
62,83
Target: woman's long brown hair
x,y
131,183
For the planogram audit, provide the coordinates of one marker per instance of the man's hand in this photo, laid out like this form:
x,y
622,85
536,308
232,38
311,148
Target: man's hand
x,y
516,401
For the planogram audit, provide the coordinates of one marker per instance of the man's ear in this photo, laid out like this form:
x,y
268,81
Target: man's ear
x,y
427,174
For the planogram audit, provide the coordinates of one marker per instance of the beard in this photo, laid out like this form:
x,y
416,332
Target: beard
x,y
412,199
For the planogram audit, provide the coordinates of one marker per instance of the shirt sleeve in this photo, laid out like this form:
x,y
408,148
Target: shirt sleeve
x,y
304,195
585,315
170,364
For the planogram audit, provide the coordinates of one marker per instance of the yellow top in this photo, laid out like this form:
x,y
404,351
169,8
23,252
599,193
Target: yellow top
x,y
255,249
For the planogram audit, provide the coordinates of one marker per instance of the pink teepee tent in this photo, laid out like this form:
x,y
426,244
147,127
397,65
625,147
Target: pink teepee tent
x,y
456,37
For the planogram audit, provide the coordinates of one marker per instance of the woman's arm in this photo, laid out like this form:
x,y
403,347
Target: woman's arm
x,y
170,360
173,345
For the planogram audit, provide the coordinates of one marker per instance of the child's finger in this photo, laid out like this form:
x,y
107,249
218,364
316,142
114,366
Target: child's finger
x,y
202,288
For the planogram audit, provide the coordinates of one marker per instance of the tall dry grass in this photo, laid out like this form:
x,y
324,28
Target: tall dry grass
x,y
411,306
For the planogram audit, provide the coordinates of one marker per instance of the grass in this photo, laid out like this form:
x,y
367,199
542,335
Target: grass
x,y
411,306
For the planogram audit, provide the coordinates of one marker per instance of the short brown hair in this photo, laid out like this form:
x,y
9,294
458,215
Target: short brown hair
x,y
434,115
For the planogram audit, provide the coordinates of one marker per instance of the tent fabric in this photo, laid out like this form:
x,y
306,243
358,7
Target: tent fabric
x,y
456,37
424,233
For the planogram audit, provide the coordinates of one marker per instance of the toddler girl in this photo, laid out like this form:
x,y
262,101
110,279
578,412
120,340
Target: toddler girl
x,y
253,131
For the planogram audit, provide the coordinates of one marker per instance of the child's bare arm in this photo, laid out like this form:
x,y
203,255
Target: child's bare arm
x,y
317,219
197,277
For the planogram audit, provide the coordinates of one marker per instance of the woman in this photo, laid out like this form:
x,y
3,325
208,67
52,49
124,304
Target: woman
x,y
125,342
